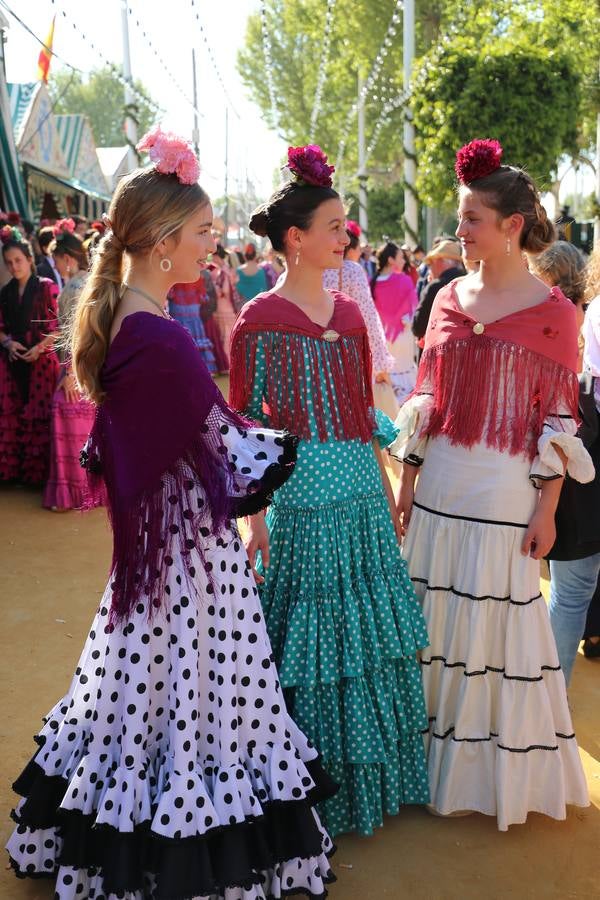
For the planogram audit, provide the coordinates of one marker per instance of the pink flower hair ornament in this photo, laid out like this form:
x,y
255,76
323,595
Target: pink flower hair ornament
x,y
171,155
477,159
10,233
308,165
63,226
353,227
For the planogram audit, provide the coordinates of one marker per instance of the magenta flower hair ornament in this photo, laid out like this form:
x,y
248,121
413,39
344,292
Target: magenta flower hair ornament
x,y
478,159
63,226
308,165
171,155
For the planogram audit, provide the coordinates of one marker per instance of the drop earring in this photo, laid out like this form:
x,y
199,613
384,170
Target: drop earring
x,y
508,247
297,260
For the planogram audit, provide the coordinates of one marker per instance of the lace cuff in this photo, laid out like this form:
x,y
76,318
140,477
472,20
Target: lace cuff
x,y
411,422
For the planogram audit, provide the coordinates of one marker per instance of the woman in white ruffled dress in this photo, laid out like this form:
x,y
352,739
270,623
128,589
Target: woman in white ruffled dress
x,y
490,430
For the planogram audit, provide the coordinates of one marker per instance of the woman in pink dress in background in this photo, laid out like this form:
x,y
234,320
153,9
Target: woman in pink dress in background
x,y
395,298
72,416
224,279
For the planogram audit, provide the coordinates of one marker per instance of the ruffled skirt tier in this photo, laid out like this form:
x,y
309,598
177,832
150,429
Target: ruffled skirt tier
x,y
171,769
345,628
500,738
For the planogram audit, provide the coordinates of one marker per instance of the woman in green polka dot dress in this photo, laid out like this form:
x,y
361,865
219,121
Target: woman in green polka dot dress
x,y
342,616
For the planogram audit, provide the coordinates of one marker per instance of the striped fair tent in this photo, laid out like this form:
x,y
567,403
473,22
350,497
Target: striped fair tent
x,y
58,157
79,150
11,179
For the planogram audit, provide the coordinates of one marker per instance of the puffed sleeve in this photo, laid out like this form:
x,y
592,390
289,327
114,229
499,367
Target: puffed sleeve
x,y
385,431
359,290
560,431
411,423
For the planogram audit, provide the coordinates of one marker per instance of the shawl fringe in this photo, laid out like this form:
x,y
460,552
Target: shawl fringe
x,y
495,392
148,527
338,378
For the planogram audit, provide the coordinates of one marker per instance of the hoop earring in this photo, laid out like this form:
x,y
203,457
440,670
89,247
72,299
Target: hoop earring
x,y
165,264
297,260
508,247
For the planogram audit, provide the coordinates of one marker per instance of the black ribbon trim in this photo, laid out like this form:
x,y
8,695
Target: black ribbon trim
x,y
502,671
226,856
273,477
492,736
436,512
452,590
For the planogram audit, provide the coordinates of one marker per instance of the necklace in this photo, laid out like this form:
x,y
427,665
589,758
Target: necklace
x,y
136,290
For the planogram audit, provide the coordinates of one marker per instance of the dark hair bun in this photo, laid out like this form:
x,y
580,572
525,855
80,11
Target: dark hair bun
x,y
291,205
541,234
259,221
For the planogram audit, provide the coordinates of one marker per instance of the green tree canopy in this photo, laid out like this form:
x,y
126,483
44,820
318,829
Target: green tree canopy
x,y
100,97
556,45
526,97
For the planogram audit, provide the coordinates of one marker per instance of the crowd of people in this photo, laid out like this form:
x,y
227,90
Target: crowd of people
x,y
241,699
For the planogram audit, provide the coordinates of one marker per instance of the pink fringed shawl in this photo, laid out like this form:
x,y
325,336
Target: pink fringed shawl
x,y
498,387
338,371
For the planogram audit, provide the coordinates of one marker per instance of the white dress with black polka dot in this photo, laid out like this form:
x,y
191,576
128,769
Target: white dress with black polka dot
x,y
171,769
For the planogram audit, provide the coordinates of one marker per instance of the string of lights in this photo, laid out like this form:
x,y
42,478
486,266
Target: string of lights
x,y
211,56
267,50
370,80
153,49
389,106
316,110
126,82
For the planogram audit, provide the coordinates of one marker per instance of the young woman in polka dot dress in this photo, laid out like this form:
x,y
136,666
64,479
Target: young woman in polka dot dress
x,y
170,769
341,612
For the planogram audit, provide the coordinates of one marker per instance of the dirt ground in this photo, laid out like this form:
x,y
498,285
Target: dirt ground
x,y
52,573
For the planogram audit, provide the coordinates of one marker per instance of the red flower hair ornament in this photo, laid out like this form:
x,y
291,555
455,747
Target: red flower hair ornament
x,y
477,159
308,165
353,228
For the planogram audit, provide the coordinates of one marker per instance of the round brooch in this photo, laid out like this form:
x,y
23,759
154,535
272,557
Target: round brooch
x,y
330,335
478,328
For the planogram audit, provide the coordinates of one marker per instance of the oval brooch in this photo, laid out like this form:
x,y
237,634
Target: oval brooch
x,y
330,335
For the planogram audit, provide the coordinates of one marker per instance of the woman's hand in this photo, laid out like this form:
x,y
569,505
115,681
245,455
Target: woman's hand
x,y
32,354
406,496
257,538
15,350
69,387
540,535
382,378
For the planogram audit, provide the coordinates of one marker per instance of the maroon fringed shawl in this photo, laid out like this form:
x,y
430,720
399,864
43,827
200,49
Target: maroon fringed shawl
x,y
337,372
159,422
499,386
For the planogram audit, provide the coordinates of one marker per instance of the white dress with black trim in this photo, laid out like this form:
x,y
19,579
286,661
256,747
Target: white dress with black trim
x,y
500,738
171,769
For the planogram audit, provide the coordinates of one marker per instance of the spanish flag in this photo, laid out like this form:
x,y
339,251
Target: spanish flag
x,y
46,55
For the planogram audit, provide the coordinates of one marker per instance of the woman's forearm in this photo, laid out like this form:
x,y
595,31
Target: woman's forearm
x,y
384,477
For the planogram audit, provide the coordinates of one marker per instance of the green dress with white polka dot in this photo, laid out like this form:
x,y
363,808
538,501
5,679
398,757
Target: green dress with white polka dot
x,y
344,621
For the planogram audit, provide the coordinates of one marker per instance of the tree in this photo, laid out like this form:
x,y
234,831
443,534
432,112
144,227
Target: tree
x,y
544,34
520,72
295,31
525,97
100,97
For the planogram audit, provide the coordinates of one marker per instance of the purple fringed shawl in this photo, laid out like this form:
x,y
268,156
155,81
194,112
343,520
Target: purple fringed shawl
x,y
159,420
